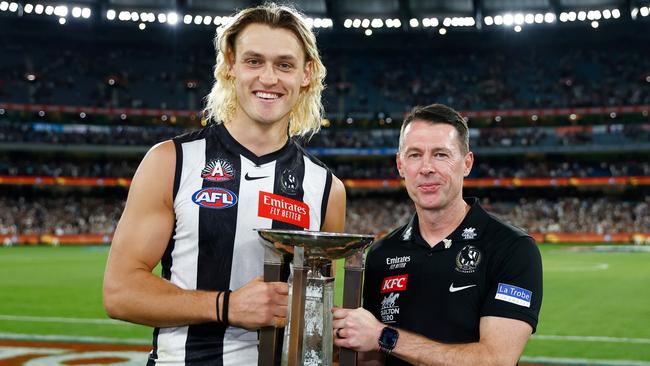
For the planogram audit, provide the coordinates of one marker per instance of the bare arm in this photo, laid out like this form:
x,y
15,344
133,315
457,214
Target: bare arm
x,y
502,341
134,294
335,216
131,291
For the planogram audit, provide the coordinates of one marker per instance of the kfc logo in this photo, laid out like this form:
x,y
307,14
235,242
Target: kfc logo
x,y
394,283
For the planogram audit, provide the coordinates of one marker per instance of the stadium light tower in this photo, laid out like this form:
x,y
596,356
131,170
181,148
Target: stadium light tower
x,y
477,6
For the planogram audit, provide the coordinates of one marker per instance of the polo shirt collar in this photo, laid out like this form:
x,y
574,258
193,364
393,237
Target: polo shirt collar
x,y
470,229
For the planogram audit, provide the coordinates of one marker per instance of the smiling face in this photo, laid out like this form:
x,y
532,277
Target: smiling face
x,y
269,70
432,164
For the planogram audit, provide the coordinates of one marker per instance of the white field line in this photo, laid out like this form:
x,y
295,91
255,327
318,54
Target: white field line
x,y
55,319
582,361
591,339
73,339
578,268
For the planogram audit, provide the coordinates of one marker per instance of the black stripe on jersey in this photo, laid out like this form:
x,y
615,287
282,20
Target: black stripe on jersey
x,y
216,238
151,361
179,167
326,197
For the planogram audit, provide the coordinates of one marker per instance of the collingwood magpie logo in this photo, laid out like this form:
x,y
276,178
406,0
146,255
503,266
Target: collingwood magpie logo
x,y
468,259
289,182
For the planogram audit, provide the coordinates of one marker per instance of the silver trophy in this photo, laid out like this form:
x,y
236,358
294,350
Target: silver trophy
x,y
308,333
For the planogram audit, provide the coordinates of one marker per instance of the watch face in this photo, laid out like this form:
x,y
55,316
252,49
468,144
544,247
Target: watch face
x,y
388,338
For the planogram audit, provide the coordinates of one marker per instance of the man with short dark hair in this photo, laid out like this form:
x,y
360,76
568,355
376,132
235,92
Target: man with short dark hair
x,y
454,286
195,200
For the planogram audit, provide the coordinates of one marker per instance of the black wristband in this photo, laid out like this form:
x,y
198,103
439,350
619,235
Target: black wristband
x,y
218,310
226,300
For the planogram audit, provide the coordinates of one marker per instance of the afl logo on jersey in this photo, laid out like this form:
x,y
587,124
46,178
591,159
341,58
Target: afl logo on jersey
x,y
214,198
218,170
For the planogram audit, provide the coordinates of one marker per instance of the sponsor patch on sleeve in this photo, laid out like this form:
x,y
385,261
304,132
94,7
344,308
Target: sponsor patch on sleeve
x,y
280,208
513,294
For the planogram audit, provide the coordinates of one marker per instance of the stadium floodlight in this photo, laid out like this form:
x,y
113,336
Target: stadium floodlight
x,y
207,20
644,11
124,16
508,19
594,24
564,17
498,19
389,23
539,18
41,113
517,28
28,8
4,6
470,21
519,18
76,12
549,17
607,14
612,115
434,22
61,11
13,7
198,19
397,23
377,23
368,32
534,117
347,23
123,116
217,20
572,16
38,9
187,19
82,114
616,13
529,18
134,16
365,23
446,22
110,14
142,26
172,18
356,23
414,23
582,16
162,18
426,22
442,31
49,10
62,21
86,13
488,20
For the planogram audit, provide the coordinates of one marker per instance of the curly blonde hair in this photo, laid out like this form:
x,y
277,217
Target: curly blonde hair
x,y
305,117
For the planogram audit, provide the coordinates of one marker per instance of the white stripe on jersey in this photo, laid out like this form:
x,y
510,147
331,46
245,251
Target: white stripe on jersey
x,y
313,186
248,254
185,255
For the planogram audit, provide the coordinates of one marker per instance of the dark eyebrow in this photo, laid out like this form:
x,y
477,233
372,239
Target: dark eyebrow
x,y
259,55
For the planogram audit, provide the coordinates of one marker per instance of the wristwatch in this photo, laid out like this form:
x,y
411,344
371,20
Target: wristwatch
x,y
388,340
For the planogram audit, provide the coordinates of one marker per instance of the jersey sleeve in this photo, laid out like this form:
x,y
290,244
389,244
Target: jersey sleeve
x,y
515,283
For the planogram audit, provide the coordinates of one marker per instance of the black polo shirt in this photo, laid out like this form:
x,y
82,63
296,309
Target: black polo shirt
x,y
484,268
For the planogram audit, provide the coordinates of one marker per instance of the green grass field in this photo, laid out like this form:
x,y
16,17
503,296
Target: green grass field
x,y
596,305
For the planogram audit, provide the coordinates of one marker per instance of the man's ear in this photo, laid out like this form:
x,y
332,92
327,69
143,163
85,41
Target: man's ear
x,y
398,161
306,74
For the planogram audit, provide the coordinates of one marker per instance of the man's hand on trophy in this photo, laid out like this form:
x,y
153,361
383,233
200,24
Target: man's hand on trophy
x,y
259,304
356,329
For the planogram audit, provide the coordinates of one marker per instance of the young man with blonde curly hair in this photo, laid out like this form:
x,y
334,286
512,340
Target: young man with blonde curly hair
x,y
196,199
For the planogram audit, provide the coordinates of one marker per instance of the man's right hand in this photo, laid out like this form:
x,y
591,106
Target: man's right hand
x,y
259,304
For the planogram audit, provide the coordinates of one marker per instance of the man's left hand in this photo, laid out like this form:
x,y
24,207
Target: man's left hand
x,y
356,329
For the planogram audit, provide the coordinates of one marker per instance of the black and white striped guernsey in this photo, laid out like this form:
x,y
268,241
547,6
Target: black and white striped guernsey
x,y
222,191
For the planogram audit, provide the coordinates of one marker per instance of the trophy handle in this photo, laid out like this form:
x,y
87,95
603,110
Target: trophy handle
x,y
270,349
352,288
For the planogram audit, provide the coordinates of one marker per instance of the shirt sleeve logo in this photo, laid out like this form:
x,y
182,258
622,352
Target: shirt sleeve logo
x,y
513,294
468,259
280,208
394,283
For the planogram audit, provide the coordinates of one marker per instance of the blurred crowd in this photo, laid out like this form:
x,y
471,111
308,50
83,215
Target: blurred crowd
x,y
376,168
165,77
370,215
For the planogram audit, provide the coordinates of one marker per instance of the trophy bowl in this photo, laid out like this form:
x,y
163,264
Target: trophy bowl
x,y
315,243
